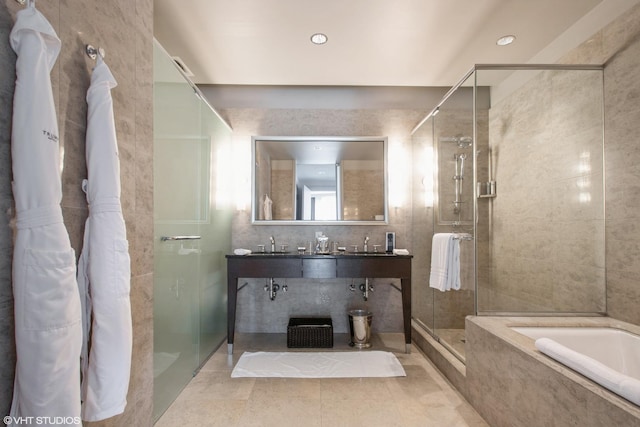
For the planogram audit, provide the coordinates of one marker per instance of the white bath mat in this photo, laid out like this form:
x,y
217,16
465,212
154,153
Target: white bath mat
x,y
349,364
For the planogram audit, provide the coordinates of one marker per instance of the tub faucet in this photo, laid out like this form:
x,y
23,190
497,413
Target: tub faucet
x,y
273,244
366,247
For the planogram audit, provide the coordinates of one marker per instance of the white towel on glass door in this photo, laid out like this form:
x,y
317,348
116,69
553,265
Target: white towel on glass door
x,y
445,262
453,264
439,260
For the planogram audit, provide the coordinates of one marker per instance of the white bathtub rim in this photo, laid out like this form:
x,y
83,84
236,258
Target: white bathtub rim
x,y
614,347
619,383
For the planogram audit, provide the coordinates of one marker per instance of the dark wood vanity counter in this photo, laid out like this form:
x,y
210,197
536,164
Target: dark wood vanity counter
x,y
279,265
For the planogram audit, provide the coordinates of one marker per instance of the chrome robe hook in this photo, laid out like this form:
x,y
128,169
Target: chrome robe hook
x,y
93,53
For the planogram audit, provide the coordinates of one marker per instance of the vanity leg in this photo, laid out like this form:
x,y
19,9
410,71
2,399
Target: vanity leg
x,y
406,312
232,293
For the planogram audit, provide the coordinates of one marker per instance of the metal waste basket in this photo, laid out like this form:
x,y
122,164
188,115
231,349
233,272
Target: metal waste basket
x,y
360,327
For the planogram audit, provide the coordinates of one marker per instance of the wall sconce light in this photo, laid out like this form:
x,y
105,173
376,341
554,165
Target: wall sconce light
x,y
223,177
398,161
427,180
242,174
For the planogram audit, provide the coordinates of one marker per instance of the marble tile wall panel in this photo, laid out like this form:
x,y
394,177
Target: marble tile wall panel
x,y
547,221
320,297
622,156
124,29
618,47
448,124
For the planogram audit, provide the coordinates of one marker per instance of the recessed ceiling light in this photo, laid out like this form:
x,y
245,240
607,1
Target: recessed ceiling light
x,y
319,38
505,40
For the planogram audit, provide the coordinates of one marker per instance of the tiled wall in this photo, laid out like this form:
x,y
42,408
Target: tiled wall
x,y
619,46
547,221
125,30
256,313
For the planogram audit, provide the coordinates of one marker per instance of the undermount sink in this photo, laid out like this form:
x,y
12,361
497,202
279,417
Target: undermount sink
x,y
269,253
368,253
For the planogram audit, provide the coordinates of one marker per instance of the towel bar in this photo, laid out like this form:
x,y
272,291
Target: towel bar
x,y
463,236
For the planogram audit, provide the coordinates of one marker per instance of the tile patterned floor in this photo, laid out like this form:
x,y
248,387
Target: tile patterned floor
x,y
422,398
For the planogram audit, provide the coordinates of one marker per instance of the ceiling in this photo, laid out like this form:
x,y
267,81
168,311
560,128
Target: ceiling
x,y
371,42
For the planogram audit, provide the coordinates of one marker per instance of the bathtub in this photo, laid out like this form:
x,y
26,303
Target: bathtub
x,y
608,356
511,382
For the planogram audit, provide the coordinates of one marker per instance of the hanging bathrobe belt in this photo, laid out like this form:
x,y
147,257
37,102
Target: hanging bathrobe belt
x,y
39,217
100,207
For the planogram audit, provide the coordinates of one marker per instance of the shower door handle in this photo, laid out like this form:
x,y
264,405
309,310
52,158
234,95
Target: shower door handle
x,y
165,238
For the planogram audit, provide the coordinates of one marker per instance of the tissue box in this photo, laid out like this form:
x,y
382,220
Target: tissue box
x,y
310,332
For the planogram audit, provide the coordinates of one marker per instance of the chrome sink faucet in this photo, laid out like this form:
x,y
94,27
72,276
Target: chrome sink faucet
x,y
273,244
366,247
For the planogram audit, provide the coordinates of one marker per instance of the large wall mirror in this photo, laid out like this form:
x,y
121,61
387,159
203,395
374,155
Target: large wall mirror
x,y
311,180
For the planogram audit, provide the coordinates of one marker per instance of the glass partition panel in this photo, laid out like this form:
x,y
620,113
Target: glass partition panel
x,y
422,223
443,153
216,237
453,137
518,169
191,228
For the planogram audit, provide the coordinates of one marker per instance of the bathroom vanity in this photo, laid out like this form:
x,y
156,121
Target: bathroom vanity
x,y
277,265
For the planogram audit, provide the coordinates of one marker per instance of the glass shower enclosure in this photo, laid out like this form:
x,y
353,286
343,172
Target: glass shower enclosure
x,y
192,230
512,160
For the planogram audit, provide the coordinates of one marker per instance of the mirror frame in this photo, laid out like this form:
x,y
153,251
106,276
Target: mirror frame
x,y
347,139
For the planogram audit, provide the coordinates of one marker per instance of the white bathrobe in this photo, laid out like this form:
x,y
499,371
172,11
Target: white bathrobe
x,y
46,301
104,271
